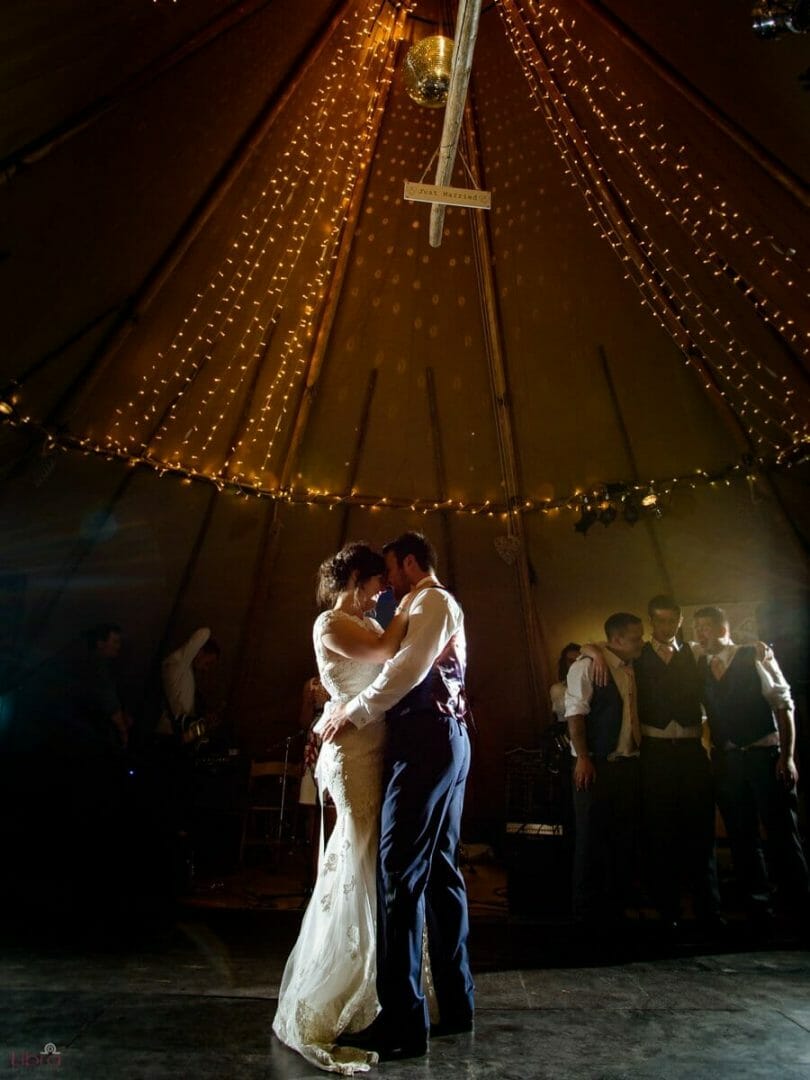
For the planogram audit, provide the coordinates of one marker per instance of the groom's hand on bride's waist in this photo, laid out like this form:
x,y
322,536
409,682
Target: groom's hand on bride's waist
x,y
336,724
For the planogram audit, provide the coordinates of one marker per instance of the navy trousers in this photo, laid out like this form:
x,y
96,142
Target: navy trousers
x,y
677,824
748,792
607,818
427,759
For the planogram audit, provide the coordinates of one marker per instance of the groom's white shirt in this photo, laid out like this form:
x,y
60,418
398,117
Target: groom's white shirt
x,y
434,617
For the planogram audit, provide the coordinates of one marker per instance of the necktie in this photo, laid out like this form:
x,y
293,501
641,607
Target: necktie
x,y
717,667
665,652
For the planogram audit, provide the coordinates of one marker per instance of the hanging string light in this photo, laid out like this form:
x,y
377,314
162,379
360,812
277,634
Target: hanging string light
x,y
215,398
702,331
602,503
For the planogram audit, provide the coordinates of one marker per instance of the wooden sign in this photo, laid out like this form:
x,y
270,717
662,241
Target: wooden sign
x,y
448,196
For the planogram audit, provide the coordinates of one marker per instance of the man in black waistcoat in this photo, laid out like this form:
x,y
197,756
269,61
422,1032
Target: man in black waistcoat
x,y
750,712
603,725
677,792
427,758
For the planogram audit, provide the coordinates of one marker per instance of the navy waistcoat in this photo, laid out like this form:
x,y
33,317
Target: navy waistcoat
x,y
668,692
442,689
603,724
735,706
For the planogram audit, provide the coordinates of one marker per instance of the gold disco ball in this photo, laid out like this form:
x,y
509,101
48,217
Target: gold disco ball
x,y
427,71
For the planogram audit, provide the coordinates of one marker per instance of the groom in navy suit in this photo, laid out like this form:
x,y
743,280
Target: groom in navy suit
x,y
420,692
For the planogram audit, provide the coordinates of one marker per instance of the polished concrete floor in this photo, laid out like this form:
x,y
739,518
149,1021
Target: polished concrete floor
x,y
191,993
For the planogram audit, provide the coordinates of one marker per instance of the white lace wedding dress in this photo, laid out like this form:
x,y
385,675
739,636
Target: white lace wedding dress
x,y
328,984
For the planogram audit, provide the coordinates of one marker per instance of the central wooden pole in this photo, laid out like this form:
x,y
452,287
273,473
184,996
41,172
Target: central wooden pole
x,y
496,357
469,12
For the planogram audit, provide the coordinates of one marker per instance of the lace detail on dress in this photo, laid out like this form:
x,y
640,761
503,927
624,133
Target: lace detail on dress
x,y
342,677
329,983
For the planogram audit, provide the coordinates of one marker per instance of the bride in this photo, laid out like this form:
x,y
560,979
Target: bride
x,y
328,985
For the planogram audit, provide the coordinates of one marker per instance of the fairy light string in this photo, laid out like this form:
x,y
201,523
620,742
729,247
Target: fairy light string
x,y
654,491
649,283
682,206
223,359
671,292
210,404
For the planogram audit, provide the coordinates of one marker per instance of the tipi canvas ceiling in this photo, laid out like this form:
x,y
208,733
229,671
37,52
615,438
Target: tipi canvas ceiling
x,y
231,346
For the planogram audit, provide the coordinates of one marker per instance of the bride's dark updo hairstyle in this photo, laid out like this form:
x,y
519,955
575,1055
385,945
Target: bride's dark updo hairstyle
x,y
335,572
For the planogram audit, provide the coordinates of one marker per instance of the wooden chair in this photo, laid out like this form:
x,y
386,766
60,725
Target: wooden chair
x,y
271,804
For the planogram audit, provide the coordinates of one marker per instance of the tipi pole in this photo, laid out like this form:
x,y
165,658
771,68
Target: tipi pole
x,y
35,150
330,309
53,354
357,455
85,380
613,212
441,479
188,572
265,561
270,543
667,311
469,13
776,169
631,457
496,359
80,552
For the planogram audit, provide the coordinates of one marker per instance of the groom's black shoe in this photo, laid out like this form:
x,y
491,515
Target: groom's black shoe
x,y
451,1026
388,1044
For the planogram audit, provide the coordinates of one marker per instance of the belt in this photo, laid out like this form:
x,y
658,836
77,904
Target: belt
x,y
687,733
767,742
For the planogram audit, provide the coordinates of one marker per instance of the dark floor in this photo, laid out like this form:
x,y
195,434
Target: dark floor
x,y
99,960
192,994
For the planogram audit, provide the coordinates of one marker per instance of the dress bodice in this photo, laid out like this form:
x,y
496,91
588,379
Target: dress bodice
x,y
342,677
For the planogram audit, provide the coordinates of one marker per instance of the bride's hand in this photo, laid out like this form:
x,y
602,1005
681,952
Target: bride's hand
x,y
337,723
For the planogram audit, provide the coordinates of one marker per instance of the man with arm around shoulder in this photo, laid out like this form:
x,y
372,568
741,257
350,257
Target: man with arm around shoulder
x,y
677,793
604,731
750,711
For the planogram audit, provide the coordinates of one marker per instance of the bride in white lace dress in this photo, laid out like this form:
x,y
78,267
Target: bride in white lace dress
x,y
328,984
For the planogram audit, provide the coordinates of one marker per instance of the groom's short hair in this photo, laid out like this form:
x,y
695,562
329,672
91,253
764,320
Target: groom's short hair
x,y
416,544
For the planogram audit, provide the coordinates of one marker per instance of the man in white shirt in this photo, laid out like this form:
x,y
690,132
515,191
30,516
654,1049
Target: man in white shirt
x,y
174,770
178,678
420,692
750,711
605,738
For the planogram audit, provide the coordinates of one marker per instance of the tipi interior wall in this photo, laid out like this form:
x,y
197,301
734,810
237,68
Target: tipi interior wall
x,y
138,120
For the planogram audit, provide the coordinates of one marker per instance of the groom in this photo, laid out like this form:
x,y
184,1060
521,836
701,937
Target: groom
x,y
427,757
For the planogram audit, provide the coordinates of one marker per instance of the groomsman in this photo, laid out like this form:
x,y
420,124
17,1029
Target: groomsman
x,y
750,712
677,796
604,730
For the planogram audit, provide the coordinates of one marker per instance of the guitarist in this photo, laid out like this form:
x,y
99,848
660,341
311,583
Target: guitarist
x,y
179,731
182,716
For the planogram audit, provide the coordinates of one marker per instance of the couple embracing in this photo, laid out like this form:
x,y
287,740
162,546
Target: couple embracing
x,y
385,932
